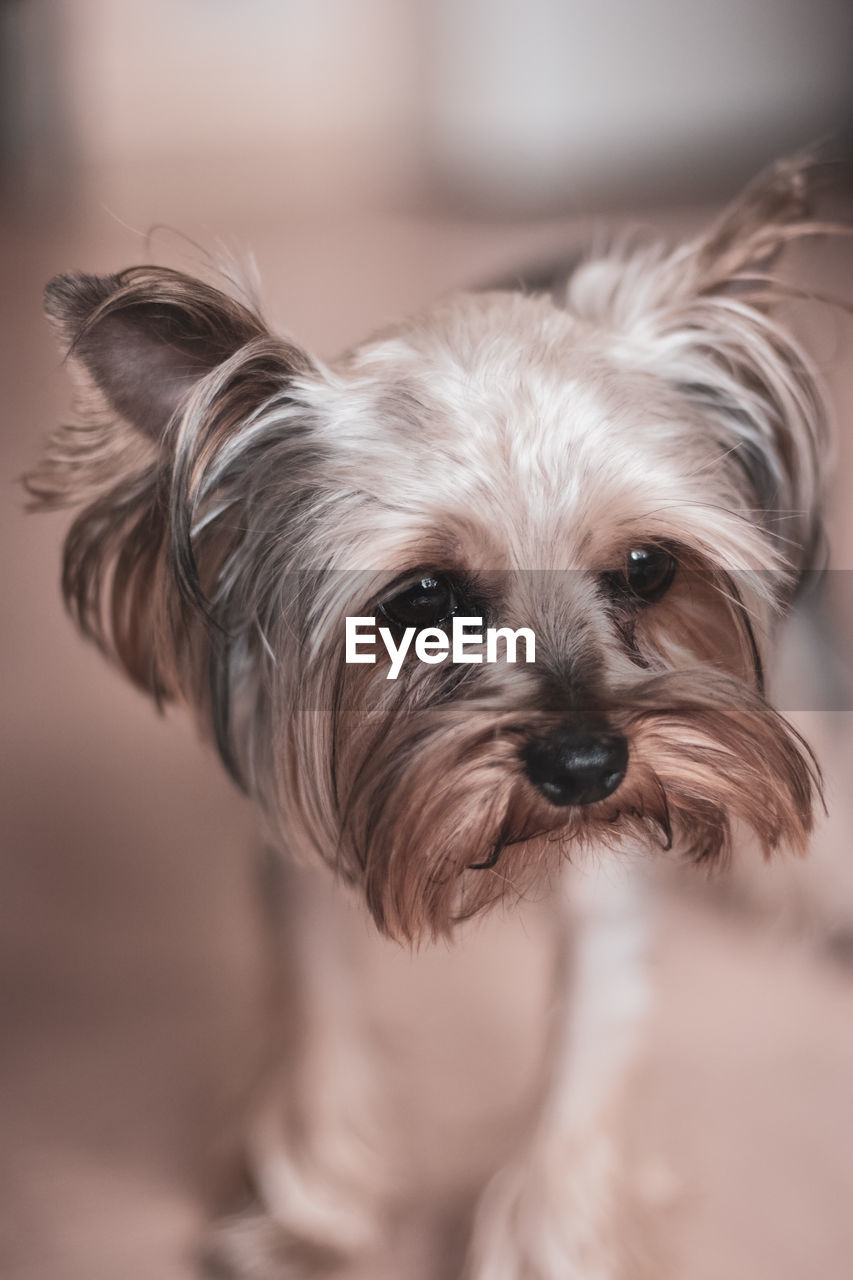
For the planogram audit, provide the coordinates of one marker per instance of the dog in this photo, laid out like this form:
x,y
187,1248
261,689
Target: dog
x,y
628,468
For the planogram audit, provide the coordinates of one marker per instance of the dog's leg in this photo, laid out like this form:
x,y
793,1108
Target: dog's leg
x,y
313,1143
554,1213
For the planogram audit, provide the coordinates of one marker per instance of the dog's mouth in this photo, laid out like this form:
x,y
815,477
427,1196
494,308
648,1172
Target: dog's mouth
x,y
566,774
445,819
504,841
636,803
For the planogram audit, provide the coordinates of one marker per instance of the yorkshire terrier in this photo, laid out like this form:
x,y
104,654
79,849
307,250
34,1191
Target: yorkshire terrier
x,y
624,472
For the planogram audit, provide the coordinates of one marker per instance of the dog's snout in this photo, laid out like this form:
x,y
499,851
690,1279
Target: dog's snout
x,y
576,766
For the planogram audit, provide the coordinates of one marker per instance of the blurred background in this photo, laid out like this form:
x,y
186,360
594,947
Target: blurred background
x,y
367,155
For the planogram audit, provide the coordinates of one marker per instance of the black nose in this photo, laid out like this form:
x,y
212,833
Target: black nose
x,y
576,766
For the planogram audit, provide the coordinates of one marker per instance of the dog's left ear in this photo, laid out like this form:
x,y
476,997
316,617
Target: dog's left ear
x,y
705,316
743,243
760,385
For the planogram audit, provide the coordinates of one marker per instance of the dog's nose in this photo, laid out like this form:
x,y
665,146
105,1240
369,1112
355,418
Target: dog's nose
x,y
576,766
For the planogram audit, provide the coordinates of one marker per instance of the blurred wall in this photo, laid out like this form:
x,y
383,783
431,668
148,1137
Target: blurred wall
x,y
502,103
191,79
546,99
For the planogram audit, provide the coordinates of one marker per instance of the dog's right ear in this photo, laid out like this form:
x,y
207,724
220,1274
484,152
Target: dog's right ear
x,y
170,371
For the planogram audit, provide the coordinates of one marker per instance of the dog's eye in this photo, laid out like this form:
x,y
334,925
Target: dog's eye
x,y
426,603
648,573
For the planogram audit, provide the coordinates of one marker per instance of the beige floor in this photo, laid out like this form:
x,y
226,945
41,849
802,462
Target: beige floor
x,y
130,967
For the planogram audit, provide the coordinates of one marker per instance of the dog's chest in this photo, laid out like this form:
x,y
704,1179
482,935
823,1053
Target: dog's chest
x,y
461,1032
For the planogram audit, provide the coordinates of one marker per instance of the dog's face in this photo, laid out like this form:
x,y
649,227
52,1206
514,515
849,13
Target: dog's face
x,y
632,475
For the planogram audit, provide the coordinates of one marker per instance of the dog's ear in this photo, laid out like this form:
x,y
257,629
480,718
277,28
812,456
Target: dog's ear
x,y
173,374
145,337
752,376
705,316
743,243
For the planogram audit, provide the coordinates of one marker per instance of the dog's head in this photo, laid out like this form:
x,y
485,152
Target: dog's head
x,y
632,473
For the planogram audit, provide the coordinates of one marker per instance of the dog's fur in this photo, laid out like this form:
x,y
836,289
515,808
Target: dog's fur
x,y
238,499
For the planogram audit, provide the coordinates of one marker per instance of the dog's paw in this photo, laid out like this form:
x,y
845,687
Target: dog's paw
x,y
252,1246
537,1221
